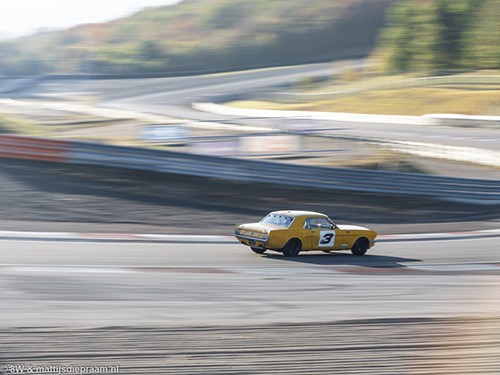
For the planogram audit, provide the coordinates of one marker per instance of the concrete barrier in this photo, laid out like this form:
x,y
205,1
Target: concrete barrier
x,y
333,116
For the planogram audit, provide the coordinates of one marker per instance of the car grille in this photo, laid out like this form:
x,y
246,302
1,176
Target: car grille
x,y
250,233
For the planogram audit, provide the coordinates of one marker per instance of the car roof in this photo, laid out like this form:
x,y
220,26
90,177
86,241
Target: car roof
x,y
296,213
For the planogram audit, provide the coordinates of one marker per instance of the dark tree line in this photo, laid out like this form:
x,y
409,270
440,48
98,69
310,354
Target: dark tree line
x,y
203,35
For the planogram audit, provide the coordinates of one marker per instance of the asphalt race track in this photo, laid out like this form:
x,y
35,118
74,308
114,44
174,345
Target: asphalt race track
x,y
171,284
406,307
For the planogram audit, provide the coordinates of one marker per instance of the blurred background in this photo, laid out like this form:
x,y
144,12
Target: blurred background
x,y
381,57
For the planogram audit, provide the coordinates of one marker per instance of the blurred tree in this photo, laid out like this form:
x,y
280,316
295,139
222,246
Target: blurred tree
x,y
483,38
230,14
150,50
206,35
428,34
398,36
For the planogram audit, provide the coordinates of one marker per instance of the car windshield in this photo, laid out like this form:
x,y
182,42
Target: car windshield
x,y
276,219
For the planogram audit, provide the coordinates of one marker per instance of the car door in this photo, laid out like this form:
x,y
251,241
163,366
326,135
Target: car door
x,y
322,234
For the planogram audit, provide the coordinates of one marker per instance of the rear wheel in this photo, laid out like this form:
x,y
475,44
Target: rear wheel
x,y
258,250
292,248
360,246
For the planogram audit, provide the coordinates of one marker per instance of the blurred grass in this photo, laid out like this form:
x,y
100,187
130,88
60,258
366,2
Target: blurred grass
x,y
11,124
466,99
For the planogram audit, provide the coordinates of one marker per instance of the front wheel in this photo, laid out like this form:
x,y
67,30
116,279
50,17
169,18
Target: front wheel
x,y
360,246
292,248
258,250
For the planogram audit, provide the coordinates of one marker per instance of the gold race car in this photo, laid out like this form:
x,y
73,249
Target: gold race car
x,y
291,232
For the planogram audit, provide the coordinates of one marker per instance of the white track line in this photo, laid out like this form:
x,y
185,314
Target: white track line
x,y
113,237
462,268
179,238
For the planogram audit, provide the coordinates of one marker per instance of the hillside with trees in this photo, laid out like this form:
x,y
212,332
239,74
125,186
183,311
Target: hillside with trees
x,y
203,35
442,34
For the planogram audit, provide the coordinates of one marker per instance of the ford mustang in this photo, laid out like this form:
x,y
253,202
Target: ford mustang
x,y
291,232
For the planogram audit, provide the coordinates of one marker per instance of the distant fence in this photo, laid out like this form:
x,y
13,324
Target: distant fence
x,y
448,188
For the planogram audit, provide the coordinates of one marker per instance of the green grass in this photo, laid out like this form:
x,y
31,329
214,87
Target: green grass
x,y
470,99
12,124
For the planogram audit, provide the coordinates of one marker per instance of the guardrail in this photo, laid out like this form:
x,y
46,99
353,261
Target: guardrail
x,y
340,179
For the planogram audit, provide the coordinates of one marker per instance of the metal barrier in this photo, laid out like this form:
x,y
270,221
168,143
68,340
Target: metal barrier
x,y
342,179
339,179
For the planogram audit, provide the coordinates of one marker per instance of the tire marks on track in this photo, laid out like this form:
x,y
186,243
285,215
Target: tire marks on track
x,y
379,346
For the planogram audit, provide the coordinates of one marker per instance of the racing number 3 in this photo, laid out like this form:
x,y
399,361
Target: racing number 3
x,y
326,238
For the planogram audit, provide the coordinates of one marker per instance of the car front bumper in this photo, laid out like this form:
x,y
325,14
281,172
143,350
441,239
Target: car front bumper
x,y
252,241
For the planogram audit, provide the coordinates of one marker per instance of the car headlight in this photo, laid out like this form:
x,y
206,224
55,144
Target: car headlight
x,y
237,231
264,236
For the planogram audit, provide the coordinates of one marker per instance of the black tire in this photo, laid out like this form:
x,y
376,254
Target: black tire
x,y
292,248
360,246
258,250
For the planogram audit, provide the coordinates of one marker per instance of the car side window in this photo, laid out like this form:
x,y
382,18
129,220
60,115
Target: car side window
x,y
318,223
